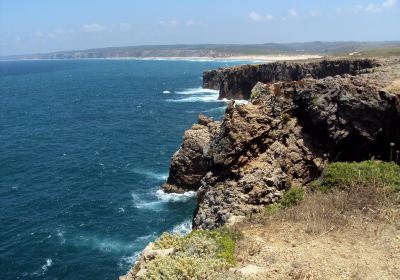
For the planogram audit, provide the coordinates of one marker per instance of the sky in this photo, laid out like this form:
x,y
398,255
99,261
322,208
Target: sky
x,y
37,26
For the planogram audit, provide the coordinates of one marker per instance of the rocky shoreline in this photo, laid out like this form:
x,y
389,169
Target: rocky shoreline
x,y
301,115
286,134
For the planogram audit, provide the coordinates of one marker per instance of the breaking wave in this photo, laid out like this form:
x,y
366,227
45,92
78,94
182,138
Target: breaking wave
x,y
198,90
162,199
151,175
183,228
175,197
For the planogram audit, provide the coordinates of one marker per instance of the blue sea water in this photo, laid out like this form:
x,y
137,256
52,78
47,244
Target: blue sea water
x,y
84,148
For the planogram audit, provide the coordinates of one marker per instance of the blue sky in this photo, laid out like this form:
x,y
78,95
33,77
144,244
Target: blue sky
x,y
32,26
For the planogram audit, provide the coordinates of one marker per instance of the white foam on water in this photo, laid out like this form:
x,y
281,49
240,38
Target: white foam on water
x,y
126,262
146,238
162,199
198,90
150,174
166,92
60,235
141,203
43,269
175,197
197,98
103,244
202,95
183,228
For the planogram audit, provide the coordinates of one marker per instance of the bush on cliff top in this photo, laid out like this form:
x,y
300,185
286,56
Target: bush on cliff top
x,y
344,175
291,197
201,254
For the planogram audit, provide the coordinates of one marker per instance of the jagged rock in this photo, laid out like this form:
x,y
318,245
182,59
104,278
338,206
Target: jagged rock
x,y
237,82
189,164
284,137
256,156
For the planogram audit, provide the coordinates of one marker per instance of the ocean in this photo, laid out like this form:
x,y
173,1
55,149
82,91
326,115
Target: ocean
x,y
84,147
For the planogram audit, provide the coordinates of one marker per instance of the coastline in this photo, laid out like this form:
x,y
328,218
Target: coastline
x,y
239,58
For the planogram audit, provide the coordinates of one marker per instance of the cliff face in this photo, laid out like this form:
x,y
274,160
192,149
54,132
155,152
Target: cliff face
x,y
283,138
237,82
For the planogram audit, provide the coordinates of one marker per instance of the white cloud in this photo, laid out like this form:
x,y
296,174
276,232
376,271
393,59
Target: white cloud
x,y
293,12
57,33
257,17
389,3
92,27
169,23
39,34
315,13
376,8
194,23
124,27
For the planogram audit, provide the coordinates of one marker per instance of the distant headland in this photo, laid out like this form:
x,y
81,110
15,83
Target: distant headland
x,y
262,52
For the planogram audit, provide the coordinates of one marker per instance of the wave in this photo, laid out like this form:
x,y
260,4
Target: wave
x,y
141,203
203,98
43,269
162,199
175,197
126,262
151,175
202,95
103,244
166,92
183,228
198,90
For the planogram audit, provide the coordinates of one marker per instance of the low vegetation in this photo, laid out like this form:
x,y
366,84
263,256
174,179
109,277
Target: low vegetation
x,y
199,255
344,191
368,173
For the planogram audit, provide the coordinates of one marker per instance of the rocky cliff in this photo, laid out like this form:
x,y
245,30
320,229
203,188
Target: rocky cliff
x,y
237,82
286,134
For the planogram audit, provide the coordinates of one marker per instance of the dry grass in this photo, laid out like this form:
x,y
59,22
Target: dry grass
x,y
326,211
353,233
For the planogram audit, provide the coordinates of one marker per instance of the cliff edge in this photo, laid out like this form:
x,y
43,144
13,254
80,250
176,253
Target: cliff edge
x,y
285,136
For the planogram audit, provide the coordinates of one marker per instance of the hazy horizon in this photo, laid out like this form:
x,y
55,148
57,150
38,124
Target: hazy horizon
x,y
28,27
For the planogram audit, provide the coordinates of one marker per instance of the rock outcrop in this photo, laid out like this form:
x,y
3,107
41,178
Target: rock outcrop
x,y
283,138
237,82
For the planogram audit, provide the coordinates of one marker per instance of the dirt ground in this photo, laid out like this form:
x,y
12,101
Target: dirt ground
x,y
305,244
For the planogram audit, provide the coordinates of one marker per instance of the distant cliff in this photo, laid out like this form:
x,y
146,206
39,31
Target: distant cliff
x,y
237,82
213,50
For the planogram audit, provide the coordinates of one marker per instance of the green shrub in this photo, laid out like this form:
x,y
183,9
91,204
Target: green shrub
x,y
292,197
202,254
225,240
344,175
184,268
273,208
168,240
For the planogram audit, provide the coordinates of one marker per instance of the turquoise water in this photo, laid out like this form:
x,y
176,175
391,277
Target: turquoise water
x,y
84,147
